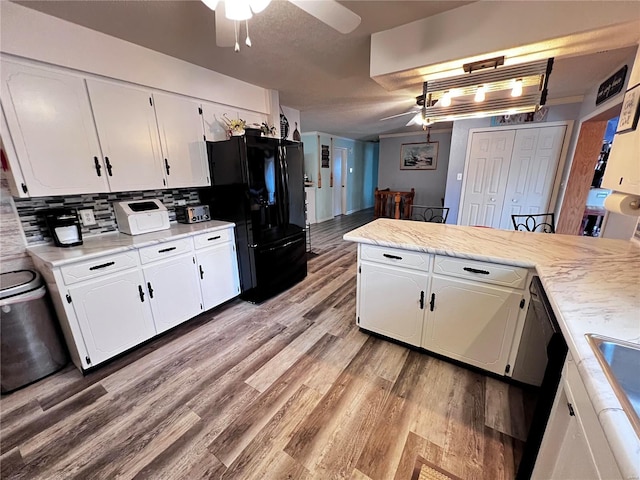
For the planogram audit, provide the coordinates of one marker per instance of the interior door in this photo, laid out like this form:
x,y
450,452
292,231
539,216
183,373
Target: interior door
x,y
534,162
486,181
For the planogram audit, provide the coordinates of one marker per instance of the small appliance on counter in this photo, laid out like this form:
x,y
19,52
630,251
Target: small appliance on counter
x,y
64,226
135,217
192,213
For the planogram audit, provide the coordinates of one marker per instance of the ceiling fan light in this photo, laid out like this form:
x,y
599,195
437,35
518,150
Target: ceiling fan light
x,y
238,10
445,101
517,88
258,5
480,94
212,4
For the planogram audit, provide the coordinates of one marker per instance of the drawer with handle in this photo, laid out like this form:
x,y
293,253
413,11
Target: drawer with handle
x,y
216,237
165,250
78,272
497,274
394,256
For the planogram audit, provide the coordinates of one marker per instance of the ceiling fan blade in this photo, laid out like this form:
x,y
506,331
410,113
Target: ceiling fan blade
x,y
225,33
413,112
330,12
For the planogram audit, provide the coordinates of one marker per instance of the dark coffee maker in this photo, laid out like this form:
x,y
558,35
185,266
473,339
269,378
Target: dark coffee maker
x,y
64,226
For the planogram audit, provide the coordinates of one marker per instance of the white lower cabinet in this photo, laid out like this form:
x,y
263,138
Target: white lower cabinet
x,y
173,289
468,311
218,273
113,314
392,301
472,322
574,445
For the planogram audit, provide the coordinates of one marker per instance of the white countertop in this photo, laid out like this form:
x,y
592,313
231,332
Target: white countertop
x,y
109,243
593,285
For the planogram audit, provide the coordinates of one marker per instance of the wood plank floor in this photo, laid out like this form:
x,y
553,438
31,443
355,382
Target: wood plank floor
x,y
289,389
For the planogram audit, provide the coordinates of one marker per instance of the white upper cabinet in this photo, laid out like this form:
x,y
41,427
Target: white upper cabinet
x,y
182,141
53,133
126,124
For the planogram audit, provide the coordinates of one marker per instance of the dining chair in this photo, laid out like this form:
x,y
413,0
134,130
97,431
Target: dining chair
x,y
425,213
535,222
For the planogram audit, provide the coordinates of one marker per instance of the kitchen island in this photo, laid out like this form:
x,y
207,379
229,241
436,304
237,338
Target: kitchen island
x,y
593,285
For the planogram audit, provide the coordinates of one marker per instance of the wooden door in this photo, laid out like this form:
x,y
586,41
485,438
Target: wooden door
x,y
128,134
49,117
532,172
486,180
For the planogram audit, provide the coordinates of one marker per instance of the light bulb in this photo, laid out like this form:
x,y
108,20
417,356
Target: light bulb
x,y
238,10
445,101
248,40
480,94
517,88
258,5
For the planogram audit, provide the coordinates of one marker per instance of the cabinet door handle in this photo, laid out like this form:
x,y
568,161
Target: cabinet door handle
x,y
141,292
432,303
394,257
150,289
213,238
201,272
475,270
109,167
164,250
422,300
96,162
103,265
572,413
166,165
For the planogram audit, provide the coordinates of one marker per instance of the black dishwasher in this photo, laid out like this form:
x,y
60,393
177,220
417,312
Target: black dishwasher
x,y
542,316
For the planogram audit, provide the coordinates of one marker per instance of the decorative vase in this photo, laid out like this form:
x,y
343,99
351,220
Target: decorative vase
x,y
237,132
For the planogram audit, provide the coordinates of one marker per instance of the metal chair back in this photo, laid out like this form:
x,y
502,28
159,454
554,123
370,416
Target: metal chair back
x,y
425,213
540,222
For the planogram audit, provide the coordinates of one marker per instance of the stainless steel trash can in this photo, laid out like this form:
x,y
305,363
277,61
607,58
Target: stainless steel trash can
x,y
30,343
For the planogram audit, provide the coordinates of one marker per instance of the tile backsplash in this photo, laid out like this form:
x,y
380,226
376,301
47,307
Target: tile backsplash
x,y
35,229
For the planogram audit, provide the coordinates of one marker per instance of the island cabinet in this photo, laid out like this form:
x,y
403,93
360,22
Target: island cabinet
x,y
112,302
465,310
574,444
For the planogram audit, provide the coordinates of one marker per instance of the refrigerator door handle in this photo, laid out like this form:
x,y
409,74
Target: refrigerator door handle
x,y
284,245
285,180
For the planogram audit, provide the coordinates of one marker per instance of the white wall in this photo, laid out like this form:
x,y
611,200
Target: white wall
x,y
30,34
429,184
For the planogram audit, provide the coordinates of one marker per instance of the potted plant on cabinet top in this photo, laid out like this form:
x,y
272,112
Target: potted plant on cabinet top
x,y
235,126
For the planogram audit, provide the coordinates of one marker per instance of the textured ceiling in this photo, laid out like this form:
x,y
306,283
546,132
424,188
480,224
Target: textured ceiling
x,y
317,70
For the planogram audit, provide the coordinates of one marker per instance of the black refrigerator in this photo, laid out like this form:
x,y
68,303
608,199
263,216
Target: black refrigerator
x,y
258,183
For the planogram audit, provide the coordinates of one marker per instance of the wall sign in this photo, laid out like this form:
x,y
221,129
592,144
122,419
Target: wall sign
x,y
325,156
630,110
611,86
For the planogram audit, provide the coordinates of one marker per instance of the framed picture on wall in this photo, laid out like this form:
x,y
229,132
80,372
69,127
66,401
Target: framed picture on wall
x,y
419,156
630,110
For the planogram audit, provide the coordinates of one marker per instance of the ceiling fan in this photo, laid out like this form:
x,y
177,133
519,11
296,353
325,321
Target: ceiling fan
x,y
230,14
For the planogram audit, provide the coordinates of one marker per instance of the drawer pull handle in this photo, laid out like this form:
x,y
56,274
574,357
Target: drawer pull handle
x,y
150,289
394,257
103,265
213,238
475,270
141,293
164,250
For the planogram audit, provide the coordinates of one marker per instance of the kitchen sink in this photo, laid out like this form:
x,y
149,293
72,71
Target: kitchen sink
x,y
620,361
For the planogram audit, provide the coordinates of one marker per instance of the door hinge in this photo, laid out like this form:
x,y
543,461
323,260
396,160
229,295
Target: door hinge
x,y
571,410
24,188
68,298
358,321
204,137
200,110
164,182
359,269
194,260
507,369
150,101
522,302
201,307
88,359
